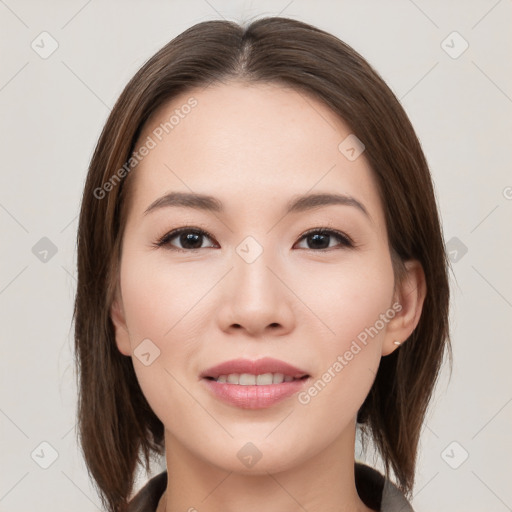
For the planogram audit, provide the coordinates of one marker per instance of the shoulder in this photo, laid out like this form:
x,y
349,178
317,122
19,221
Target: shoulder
x,y
378,492
146,500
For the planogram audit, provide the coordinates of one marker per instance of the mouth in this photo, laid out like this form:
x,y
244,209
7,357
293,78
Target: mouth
x,y
247,391
247,372
249,379
256,384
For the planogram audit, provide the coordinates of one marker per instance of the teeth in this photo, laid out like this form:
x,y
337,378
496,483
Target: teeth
x,y
247,379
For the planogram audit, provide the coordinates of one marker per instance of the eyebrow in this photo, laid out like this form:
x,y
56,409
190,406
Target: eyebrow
x,y
295,205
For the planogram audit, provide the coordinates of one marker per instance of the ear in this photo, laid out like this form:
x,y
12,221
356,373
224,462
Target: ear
x,y
408,304
121,330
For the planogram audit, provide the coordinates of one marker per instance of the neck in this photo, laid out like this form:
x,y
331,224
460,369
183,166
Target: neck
x,y
324,482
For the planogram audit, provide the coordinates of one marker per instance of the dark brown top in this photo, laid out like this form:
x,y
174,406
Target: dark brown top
x,y
376,491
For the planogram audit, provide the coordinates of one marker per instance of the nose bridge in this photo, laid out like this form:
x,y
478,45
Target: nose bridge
x,y
257,298
254,279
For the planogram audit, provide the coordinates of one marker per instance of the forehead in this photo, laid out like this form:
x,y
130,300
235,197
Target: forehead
x,y
243,142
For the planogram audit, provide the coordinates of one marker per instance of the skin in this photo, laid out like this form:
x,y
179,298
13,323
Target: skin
x,y
254,147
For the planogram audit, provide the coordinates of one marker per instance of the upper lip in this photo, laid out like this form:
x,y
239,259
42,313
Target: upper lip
x,y
257,367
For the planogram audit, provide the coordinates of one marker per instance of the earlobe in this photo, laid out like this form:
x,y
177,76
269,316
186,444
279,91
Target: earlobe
x,y
409,298
121,330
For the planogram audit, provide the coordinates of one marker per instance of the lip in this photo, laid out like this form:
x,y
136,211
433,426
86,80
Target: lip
x,y
257,367
254,396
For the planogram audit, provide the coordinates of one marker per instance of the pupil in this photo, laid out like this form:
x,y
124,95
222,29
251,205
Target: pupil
x,y
187,240
321,239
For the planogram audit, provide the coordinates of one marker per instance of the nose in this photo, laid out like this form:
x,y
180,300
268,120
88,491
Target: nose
x,y
256,299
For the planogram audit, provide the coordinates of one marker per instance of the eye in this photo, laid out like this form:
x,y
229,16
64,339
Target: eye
x,y
320,238
190,239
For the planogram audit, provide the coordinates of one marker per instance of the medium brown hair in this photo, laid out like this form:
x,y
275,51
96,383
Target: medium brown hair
x,y
117,428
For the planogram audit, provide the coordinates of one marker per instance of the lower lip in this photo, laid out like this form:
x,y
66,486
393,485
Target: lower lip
x,y
254,397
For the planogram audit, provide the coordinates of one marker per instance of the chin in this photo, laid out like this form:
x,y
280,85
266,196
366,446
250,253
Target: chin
x,y
256,458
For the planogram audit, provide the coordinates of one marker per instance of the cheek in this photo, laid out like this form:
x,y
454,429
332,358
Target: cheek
x,y
160,302
172,305
354,306
162,322
346,299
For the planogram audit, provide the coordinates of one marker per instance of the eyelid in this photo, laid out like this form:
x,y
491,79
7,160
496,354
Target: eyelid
x,y
348,242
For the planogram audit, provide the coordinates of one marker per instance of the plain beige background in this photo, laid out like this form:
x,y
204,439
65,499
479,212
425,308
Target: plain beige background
x,y
53,107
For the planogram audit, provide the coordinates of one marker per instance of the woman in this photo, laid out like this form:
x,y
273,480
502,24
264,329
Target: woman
x,y
261,270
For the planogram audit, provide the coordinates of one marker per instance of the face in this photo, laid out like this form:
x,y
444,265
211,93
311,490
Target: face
x,y
249,278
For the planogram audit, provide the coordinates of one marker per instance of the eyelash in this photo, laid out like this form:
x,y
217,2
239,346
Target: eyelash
x,y
344,240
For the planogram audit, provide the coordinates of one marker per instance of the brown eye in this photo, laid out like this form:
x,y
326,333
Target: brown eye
x,y
320,239
189,239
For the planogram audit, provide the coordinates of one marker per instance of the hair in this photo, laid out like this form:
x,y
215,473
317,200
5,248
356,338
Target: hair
x,y
117,429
